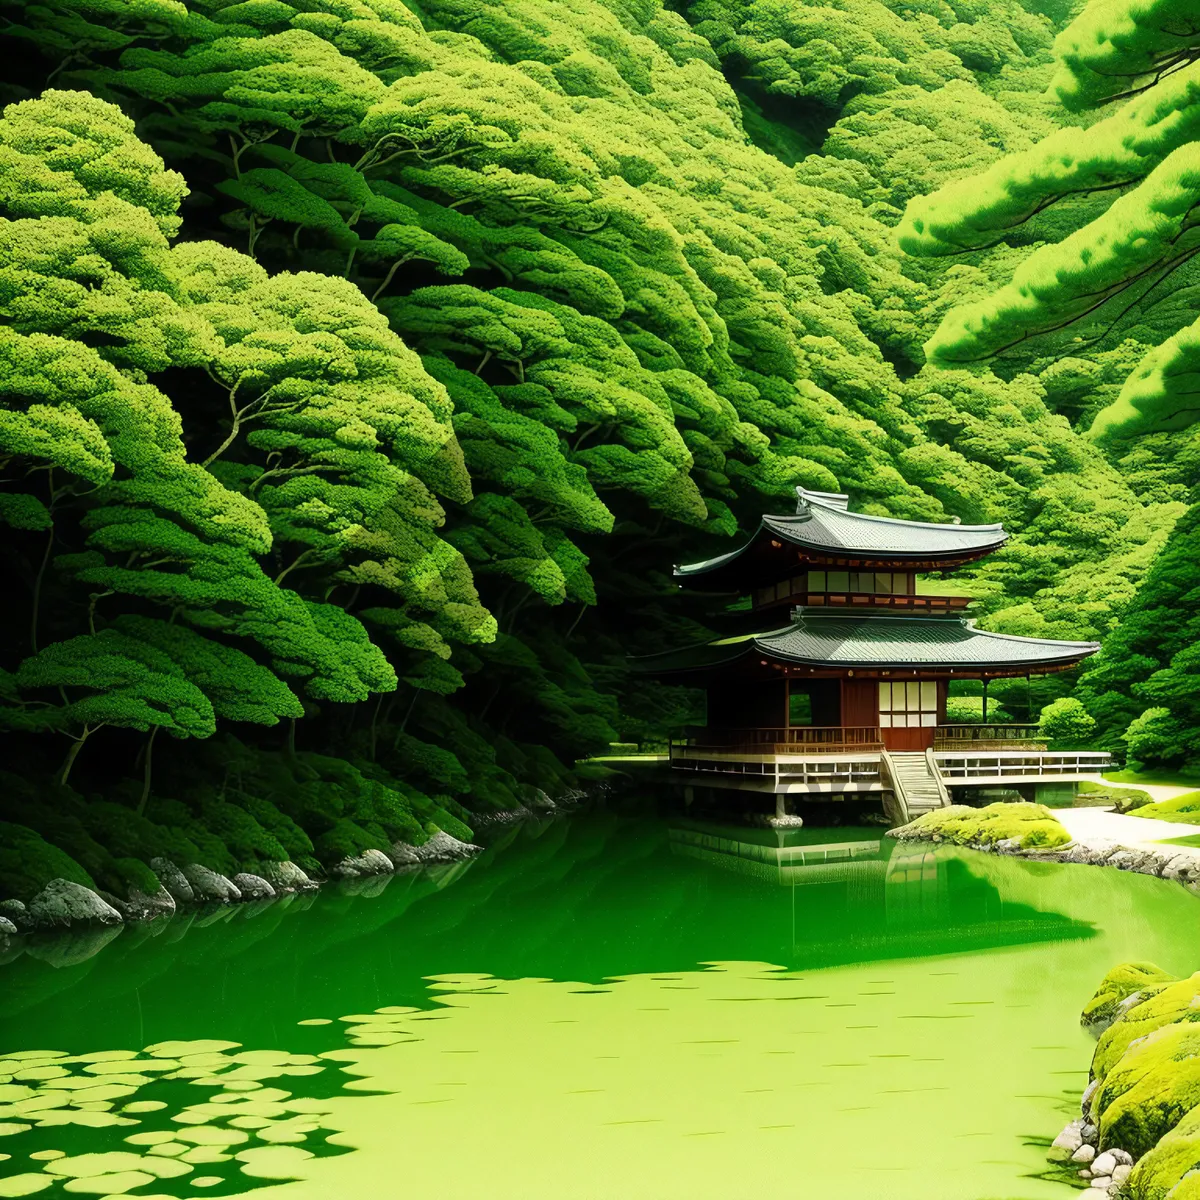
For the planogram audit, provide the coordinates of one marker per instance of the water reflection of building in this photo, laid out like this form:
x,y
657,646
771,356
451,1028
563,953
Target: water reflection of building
x,y
852,899
776,857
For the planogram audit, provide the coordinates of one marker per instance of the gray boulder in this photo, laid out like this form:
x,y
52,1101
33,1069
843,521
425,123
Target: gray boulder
x,y
1100,851
1068,1141
369,862
253,887
403,855
62,902
145,906
209,885
14,911
287,877
1008,845
1152,862
7,927
1123,860
1185,868
173,879
444,848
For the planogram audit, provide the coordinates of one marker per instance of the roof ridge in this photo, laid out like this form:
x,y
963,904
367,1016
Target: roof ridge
x,y
810,498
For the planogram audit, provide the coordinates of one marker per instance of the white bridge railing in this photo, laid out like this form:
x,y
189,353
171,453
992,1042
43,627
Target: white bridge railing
x,y
1018,765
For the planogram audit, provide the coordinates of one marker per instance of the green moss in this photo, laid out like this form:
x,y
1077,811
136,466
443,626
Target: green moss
x,y
135,874
1155,1083
1033,824
28,862
1124,800
1118,985
346,839
1164,1171
452,825
1183,809
1175,1002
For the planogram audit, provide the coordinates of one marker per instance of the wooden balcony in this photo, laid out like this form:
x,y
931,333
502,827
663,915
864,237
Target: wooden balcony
x,y
797,739
843,739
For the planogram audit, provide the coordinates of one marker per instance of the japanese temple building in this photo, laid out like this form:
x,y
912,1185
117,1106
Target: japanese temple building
x,y
844,689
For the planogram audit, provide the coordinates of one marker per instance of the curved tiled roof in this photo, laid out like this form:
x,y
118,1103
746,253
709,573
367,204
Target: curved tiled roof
x,y
832,639
823,524
855,640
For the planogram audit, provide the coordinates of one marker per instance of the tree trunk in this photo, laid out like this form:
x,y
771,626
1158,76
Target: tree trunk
x,y
146,770
73,754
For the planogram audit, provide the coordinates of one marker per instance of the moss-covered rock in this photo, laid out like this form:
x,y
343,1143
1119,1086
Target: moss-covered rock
x,y
1164,1171
1185,810
1031,825
28,862
1125,985
1176,1002
1154,1085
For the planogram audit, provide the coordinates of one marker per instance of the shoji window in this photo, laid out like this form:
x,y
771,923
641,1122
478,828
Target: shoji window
x,y
907,704
872,582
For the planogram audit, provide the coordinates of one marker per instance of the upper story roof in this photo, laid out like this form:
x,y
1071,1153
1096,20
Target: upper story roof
x,y
824,530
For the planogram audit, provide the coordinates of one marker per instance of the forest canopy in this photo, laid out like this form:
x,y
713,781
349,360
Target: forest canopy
x,y
367,368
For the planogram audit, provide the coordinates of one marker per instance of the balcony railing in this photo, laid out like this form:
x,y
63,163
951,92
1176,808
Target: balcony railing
x,y
992,737
831,739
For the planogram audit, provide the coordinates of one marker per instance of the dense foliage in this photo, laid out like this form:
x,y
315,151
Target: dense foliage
x,y
368,366
1114,279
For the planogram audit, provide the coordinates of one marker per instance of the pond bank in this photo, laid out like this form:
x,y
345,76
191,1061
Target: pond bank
x,y
1138,1135
1060,835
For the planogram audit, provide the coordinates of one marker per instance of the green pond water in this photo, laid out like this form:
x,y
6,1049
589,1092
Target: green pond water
x,y
595,1007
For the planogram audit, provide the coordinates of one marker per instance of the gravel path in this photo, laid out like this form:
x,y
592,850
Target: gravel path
x,y
1090,824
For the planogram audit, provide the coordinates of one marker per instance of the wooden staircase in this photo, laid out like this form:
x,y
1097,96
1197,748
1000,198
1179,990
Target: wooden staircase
x,y
916,782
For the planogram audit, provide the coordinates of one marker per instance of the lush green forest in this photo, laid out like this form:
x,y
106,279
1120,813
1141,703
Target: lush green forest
x,y
368,365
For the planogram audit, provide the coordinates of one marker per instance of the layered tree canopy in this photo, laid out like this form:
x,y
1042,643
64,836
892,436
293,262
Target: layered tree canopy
x,y
401,351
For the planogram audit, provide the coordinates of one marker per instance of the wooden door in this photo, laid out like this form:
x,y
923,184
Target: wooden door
x,y
908,713
919,738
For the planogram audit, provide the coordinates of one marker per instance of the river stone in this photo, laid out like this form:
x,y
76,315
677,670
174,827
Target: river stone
x,y
369,862
1123,860
1008,845
444,848
1183,867
287,877
1121,1157
1101,1181
1090,1134
1069,1140
403,855
1103,1163
1121,1173
14,911
60,902
1084,1154
145,907
7,927
253,887
209,885
1100,851
173,879
1153,863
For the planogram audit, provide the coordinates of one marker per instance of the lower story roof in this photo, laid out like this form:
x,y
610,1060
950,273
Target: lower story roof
x,y
853,640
